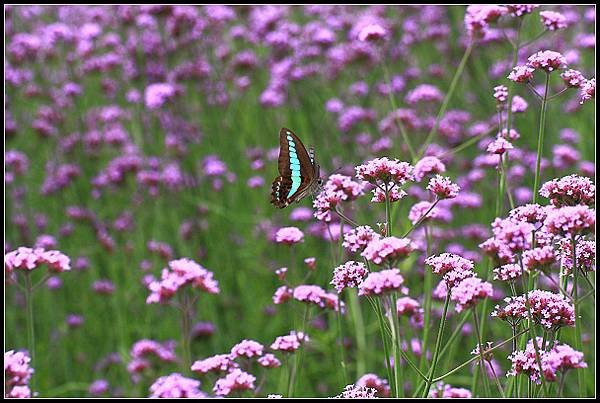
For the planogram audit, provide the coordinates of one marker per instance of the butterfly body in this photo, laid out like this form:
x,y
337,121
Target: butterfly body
x,y
299,174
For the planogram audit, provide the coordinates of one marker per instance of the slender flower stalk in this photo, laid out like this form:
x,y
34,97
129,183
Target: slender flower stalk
x,y
578,341
30,320
540,145
396,343
436,350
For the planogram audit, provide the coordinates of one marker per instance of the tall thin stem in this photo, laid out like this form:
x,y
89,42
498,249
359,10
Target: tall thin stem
x,y
578,343
438,345
30,325
541,138
396,345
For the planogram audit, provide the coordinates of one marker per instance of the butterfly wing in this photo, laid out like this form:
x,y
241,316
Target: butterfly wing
x,y
296,170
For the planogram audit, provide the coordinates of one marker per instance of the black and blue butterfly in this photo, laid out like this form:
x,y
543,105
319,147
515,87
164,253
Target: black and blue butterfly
x,y
299,173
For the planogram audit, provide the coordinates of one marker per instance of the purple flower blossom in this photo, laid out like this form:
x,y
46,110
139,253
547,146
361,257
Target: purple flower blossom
x,y
553,20
443,188
378,283
389,249
176,386
348,275
469,291
289,236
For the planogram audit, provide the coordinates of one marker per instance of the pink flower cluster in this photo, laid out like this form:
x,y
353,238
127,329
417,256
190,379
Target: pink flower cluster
x,y
389,250
216,363
428,165
453,268
553,20
499,146
443,188
411,308
290,343
547,60
588,90
585,255
247,348
17,373
337,189
180,273
384,170
176,386
372,381
446,391
507,272
571,220
28,259
313,294
548,309
469,291
569,190
479,16
358,238
539,258
560,358
573,78
142,353
501,93
236,380
380,282
348,275
289,236
551,310
357,392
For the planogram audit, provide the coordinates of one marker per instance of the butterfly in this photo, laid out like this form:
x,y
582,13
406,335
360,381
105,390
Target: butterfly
x,y
299,174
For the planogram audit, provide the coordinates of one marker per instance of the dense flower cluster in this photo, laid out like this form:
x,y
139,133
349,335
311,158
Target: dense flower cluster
x,y
176,386
560,358
569,191
180,273
337,189
380,282
469,291
29,259
17,374
349,275
388,250
357,239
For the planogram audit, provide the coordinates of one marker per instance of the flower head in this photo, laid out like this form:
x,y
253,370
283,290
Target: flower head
x,y
389,249
380,282
469,291
289,236
547,60
176,386
443,187
349,275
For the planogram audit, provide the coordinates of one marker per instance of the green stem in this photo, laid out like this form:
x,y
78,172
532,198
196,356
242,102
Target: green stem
x,y
423,217
578,341
341,340
298,357
541,138
185,332
397,347
30,326
446,101
380,318
464,364
438,345
359,327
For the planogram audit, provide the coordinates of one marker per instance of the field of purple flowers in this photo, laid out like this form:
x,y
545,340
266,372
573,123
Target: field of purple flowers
x,y
449,253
